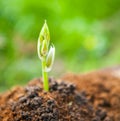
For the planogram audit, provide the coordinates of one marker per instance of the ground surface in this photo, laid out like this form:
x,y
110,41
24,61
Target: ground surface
x,y
102,89
89,97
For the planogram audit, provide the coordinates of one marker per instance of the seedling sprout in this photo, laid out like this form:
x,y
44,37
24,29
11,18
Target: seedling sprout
x,y
46,54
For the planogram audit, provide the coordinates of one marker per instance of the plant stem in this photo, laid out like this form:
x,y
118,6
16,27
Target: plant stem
x,y
45,76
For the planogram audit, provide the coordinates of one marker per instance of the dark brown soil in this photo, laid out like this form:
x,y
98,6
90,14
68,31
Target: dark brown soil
x,y
90,97
102,89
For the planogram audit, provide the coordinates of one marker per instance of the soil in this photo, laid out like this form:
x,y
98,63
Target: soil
x,y
102,89
89,97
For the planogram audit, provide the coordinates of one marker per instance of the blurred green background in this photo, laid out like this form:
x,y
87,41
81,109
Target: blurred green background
x,y
85,33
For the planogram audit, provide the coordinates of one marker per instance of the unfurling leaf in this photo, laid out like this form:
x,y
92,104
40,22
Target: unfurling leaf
x,y
43,41
50,59
44,34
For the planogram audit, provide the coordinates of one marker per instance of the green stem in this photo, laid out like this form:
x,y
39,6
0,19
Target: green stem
x,y
45,76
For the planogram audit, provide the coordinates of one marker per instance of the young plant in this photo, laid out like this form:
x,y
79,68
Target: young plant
x,y
46,54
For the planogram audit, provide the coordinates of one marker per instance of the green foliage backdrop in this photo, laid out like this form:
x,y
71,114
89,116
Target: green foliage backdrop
x,y
85,33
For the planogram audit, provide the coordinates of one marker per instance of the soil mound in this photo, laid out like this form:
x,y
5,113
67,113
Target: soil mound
x,y
63,103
